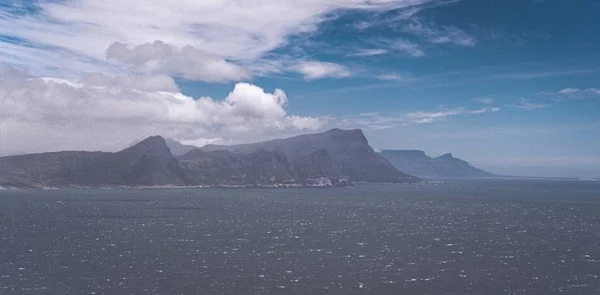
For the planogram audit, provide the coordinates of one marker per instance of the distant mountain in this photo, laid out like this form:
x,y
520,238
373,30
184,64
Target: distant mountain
x,y
177,148
417,163
227,168
344,153
147,163
333,158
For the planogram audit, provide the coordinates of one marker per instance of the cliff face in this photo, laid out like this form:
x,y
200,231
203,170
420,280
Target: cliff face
x,y
227,168
418,163
333,158
348,151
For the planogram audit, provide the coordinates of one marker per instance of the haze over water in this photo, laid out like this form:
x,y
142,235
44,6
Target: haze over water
x,y
455,237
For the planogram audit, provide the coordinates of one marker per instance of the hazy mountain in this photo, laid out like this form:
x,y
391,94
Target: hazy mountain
x,y
417,163
147,163
227,168
177,148
332,158
348,151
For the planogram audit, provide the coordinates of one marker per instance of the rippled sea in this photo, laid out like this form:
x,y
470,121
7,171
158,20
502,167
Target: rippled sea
x,y
456,237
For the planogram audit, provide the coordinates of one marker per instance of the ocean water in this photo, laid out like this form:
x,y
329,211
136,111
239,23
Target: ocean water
x,y
456,237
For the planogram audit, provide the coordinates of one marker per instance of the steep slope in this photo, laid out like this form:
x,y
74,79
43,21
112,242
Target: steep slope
x,y
348,150
417,163
177,148
227,168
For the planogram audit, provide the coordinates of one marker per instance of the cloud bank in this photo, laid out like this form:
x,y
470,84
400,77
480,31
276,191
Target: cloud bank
x,y
189,62
98,111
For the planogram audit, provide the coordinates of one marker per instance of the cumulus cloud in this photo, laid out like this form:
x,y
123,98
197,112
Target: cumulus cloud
x,y
102,112
136,82
317,70
187,62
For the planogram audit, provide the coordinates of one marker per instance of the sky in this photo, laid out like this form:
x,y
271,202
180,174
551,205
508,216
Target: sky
x,y
512,86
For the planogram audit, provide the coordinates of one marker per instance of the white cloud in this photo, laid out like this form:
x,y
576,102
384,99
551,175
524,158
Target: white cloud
x,y
577,93
317,70
542,74
377,121
484,100
77,33
408,47
430,117
107,113
370,52
187,62
440,35
73,106
136,82
567,91
525,104
394,77
386,46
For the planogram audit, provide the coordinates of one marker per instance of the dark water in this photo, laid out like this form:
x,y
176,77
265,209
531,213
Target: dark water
x,y
485,237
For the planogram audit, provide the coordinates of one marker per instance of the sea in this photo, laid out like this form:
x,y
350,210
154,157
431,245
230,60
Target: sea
x,y
440,237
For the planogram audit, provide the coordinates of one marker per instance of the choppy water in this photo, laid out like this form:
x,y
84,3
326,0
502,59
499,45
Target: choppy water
x,y
483,237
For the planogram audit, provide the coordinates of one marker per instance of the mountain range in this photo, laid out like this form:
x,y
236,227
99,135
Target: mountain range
x,y
333,158
416,162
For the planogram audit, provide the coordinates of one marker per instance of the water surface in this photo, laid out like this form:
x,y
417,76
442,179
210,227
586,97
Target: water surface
x,y
456,237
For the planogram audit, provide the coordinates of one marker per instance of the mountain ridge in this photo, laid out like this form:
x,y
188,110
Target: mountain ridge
x,y
334,158
349,150
147,163
416,162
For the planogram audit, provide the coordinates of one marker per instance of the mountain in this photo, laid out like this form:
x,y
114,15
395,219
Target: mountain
x,y
333,158
176,147
347,151
147,163
235,169
417,163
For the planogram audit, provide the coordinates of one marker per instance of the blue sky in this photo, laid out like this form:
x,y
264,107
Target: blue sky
x,y
509,85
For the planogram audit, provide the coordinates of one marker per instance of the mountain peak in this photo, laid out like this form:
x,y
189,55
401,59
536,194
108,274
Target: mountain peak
x,y
151,146
446,156
352,134
349,151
